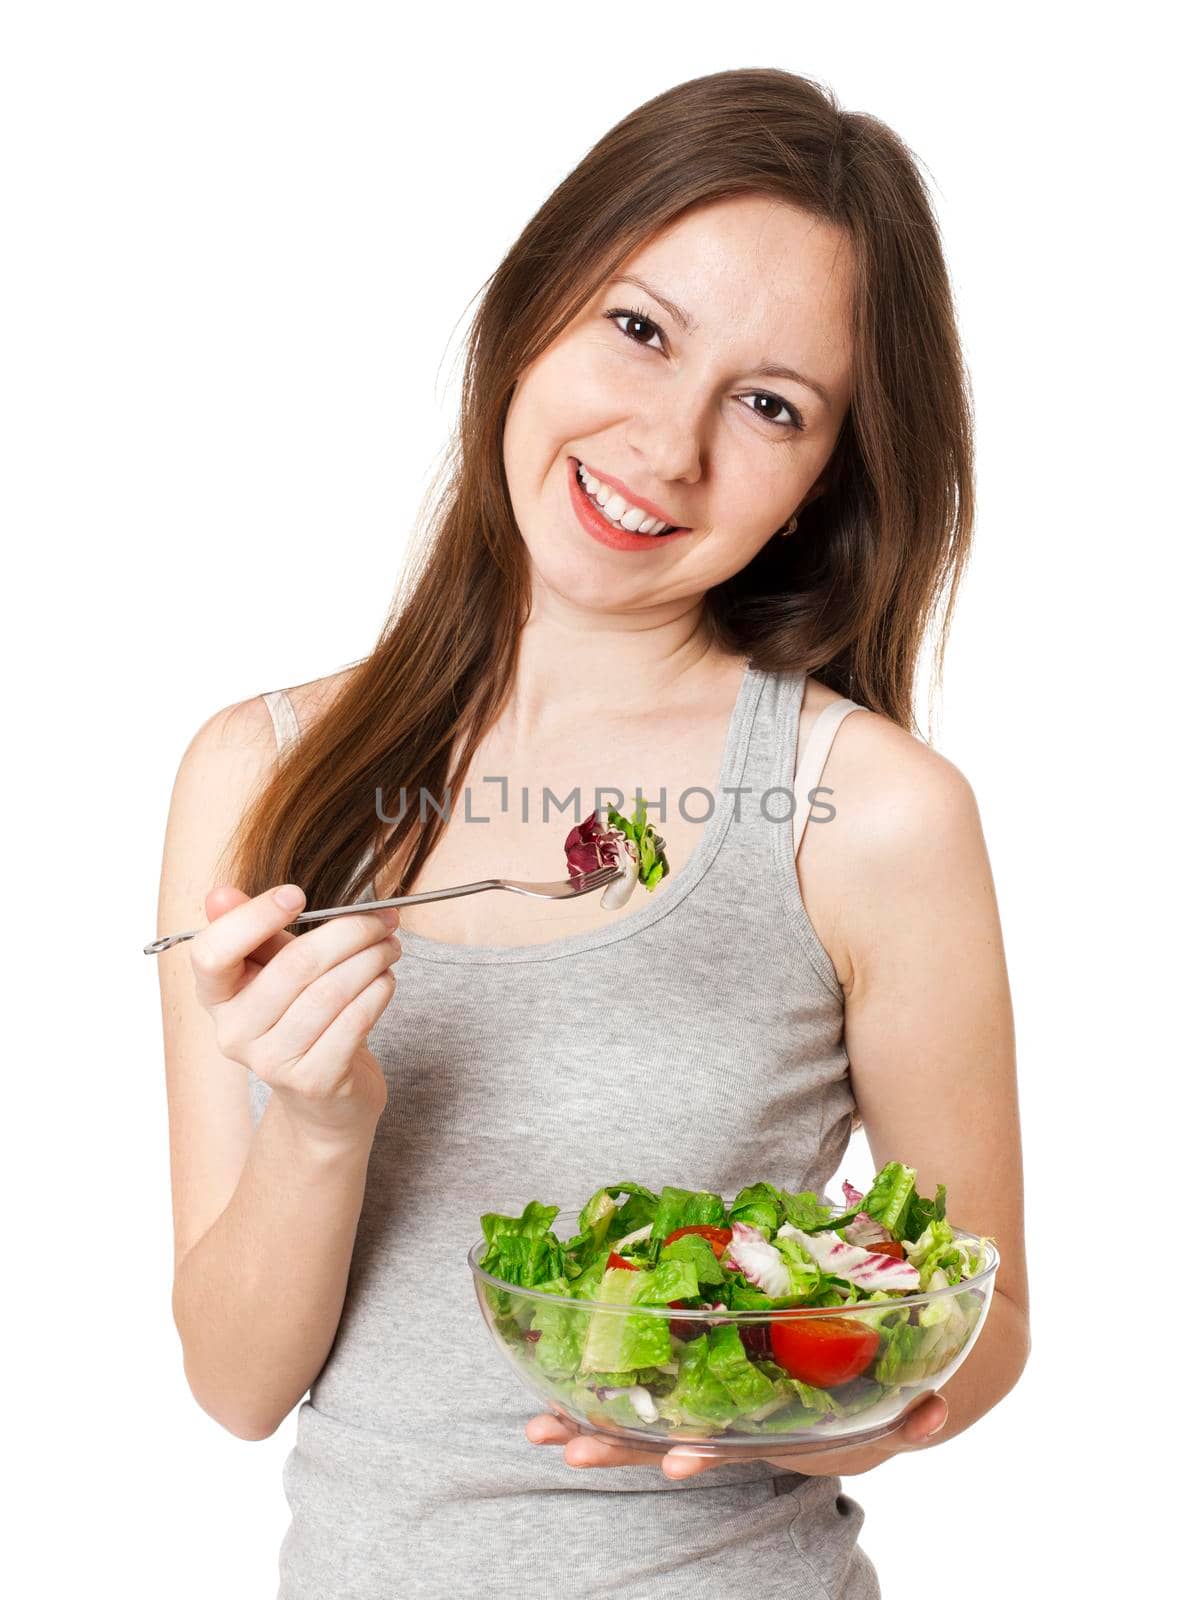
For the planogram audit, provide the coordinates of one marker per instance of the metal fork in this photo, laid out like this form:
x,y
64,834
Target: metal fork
x,y
563,889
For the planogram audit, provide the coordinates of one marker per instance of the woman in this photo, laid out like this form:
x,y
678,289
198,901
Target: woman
x,y
733,318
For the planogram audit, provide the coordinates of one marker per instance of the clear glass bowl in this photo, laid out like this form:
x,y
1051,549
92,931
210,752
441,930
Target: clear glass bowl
x,y
947,1323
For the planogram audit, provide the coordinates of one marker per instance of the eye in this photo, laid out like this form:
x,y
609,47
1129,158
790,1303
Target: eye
x,y
635,316
792,419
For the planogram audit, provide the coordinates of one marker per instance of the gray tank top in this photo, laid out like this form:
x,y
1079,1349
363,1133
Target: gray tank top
x,y
697,1041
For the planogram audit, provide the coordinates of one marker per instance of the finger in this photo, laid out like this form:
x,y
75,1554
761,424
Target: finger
x,y
298,994
926,1417
224,898
545,1429
331,1017
921,1423
324,1065
683,1462
587,1449
219,953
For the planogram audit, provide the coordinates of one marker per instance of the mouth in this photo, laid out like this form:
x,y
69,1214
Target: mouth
x,y
615,512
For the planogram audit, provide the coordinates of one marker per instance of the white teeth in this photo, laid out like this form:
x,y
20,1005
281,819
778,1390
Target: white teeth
x,y
607,500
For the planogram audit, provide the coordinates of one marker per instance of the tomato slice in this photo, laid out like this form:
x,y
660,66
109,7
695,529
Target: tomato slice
x,y
617,1261
887,1247
717,1238
825,1351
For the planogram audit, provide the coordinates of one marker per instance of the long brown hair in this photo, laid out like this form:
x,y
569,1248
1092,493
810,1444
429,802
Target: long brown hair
x,y
848,598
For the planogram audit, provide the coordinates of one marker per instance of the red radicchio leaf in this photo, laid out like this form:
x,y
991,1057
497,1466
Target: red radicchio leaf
x,y
755,1339
691,1329
592,844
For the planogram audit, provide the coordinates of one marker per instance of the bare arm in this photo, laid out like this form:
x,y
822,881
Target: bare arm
x,y
258,1298
928,1021
265,1218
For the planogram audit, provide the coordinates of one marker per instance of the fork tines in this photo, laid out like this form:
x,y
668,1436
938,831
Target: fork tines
x,y
586,880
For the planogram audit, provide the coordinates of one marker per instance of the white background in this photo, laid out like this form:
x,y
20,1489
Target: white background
x,y
243,242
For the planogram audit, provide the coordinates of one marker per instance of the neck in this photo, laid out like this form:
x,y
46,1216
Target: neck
x,y
572,671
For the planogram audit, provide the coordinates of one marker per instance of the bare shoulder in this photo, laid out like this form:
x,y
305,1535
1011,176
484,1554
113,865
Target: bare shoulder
x,y
243,731
891,784
236,735
903,816
310,699
224,763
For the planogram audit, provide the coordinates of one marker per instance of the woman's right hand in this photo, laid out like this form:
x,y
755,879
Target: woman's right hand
x,y
297,1010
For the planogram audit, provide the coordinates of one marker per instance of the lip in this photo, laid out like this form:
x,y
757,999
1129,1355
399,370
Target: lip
x,y
631,498
600,526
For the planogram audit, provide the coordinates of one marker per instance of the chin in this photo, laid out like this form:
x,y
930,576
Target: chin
x,y
576,579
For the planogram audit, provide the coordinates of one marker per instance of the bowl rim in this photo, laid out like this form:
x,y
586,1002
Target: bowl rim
x,y
752,1314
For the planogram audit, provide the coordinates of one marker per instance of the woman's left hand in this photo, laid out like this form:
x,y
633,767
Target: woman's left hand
x,y
924,1419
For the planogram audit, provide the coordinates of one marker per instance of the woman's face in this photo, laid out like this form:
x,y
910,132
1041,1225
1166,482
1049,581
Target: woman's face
x,y
682,417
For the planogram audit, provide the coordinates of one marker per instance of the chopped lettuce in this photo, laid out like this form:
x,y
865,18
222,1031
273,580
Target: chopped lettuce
x,y
759,1206
700,1399
693,1248
616,1342
649,846
616,1352
602,1220
681,1208
523,1250
742,1379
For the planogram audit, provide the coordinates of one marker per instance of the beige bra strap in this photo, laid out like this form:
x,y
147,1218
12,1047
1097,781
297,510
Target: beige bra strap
x,y
284,718
813,760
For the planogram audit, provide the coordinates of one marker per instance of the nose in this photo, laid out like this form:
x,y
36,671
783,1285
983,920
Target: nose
x,y
669,438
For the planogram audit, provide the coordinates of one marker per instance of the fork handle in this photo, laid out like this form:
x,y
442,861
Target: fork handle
x,y
345,911
401,900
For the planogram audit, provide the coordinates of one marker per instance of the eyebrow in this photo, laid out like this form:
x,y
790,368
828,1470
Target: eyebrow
x,y
767,369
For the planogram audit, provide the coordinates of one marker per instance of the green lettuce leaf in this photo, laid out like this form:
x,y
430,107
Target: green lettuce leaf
x,y
535,1219
744,1296
671,1280
699,1399
805,1210
586,1285
903,1356
600,1220
694,1249
649,846
522,1250
679,1207
760,1206
729,1363
616,1343
561,1330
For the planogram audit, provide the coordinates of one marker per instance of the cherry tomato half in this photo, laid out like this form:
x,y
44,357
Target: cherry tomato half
x,y
825,1351
717,1238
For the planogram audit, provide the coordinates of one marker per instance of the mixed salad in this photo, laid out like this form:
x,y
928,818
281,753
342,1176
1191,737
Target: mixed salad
x,y
768,1250
606,838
